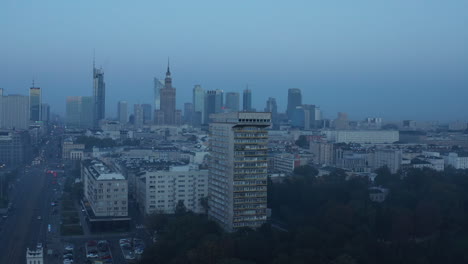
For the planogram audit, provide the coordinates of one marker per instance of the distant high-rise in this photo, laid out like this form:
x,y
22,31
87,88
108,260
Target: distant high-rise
x,y
99,96
35,101
247,100
79,112
14,111
199,103
122,112
219,101
272,107
294,100
147,114
188,113
168,99
237,185
138,115
158,85
232,101
210,105
45,112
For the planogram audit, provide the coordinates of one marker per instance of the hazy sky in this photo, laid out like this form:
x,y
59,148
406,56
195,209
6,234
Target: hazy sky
x,y
398,59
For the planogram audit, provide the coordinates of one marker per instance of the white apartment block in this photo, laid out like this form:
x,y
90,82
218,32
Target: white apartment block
x,y
456,161
362,136
105,190
286,163
161,191
238,169
391,158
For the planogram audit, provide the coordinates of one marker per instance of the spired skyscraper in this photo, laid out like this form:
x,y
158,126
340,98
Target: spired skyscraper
x,y
168,99
294,100
99,96
35,102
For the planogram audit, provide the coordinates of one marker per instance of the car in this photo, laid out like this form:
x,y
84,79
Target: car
x,y
92,255
39,217
69,247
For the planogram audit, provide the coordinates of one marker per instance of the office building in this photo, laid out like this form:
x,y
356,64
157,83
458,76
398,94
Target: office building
x,y
210,105
15,147
99,96
168,99
294,100
68,146
105,190
35,102
272,107
188,113
138,115
238,170
323,152
232,102
391,158
14,111
79,112
45,112
147,114
341,122
247,100
161,190
199,102
157,85
122,112
219,101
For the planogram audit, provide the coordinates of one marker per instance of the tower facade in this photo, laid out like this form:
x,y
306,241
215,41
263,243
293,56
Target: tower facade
x,y
237,183
168,99
199,103
99,96
122,110
232,102
35,102
247,100
158,85
294,100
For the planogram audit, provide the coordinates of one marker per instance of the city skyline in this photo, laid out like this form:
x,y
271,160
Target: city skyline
x,y
402,57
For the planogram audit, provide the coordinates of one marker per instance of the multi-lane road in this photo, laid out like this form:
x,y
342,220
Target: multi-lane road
x,y
27,223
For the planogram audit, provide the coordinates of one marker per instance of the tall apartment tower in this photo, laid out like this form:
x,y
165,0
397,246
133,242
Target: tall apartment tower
x,y
232,101
199,103
237,183
247,100
99,96
35,101
122,112
294,100
168,99
158,85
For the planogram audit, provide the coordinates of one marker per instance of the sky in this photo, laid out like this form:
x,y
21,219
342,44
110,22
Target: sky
x,y
396,59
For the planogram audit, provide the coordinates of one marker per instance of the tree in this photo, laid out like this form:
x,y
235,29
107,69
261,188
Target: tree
x,y
302,142
180,208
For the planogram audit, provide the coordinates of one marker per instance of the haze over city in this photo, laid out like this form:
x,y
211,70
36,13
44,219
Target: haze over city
x,y
393,59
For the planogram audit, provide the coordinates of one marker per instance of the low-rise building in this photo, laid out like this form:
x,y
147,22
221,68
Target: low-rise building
x,y
390,158
458,161
68,146
362,136
106,191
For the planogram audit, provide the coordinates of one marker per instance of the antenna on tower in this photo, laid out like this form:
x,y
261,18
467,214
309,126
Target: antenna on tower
x,y
33,82
94,58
